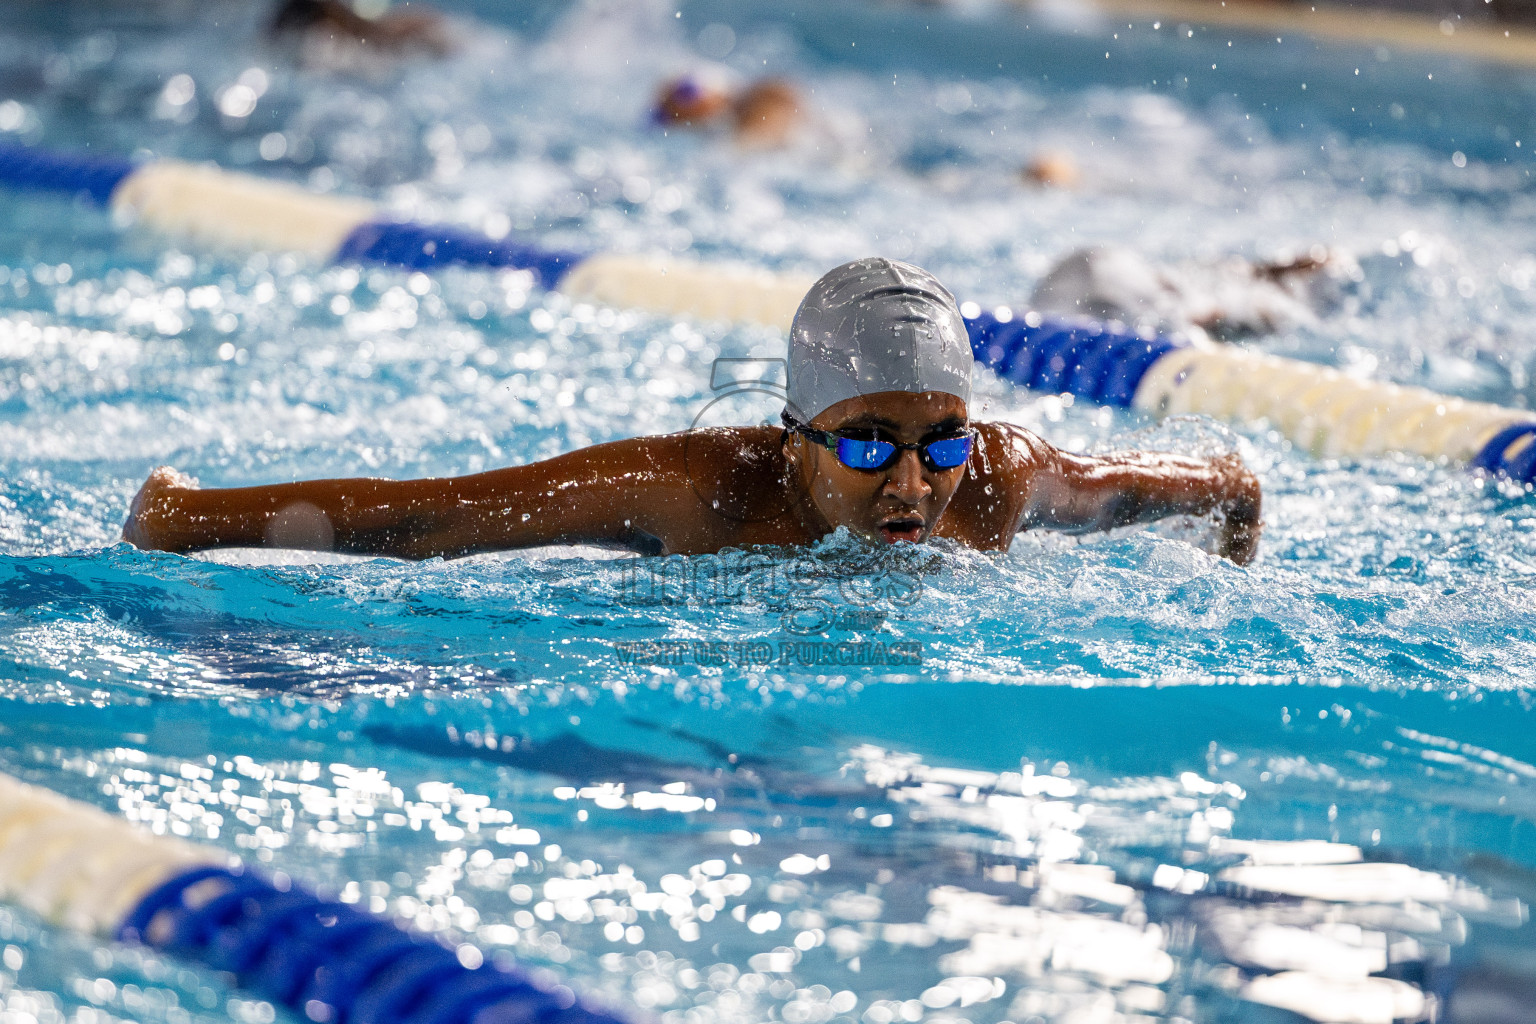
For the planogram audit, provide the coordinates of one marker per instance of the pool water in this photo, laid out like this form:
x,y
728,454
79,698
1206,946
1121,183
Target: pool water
x,y
810,786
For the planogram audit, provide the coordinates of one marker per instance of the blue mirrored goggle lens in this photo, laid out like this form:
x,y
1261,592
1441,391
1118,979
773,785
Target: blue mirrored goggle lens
x,y
857,454
945,453
950,452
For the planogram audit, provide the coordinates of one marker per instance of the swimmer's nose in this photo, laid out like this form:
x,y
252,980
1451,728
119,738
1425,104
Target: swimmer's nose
x,y
904,480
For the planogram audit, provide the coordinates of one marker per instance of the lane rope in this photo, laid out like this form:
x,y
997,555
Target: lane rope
x,y
1320,409
81,868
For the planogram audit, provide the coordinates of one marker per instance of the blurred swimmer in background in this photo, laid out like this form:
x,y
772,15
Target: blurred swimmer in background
x,y
1226,300
1052,168
767,114
877,439
331,34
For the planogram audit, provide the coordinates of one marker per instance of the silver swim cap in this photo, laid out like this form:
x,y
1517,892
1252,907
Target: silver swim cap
x,y
875,325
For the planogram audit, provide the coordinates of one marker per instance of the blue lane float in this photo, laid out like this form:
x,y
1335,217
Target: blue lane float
x,y
1318,408
37,170
424,247
1100,362
334,964
1511,452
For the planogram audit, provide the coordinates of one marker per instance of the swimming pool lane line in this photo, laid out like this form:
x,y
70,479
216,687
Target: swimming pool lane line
x,y
82,868
1478,40
1322,410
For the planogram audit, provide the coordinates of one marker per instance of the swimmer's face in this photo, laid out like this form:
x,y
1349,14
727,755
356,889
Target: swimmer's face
x,y
900,503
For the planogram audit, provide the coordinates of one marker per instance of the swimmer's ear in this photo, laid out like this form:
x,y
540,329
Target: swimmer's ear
x,y
790,450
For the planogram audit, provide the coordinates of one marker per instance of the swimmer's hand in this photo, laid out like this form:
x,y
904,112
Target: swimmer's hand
x,y
1239,511
148,525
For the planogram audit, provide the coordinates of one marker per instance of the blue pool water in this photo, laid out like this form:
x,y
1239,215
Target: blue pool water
x,y
646,774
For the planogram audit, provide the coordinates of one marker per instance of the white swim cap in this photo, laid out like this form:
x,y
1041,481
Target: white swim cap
x,y
875,325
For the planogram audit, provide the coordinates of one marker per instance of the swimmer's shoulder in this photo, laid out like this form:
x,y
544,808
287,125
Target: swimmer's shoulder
x,y
988,507
732,451
730,467
692,462
690,492
711,488
1004,450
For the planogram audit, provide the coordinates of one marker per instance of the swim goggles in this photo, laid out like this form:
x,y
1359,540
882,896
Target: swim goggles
x,y
871,452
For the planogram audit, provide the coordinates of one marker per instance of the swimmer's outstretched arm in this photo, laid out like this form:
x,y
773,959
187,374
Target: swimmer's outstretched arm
x,y
632,493
1081,492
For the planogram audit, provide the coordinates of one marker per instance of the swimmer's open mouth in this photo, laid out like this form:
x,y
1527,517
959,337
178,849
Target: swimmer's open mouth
x,y
907,528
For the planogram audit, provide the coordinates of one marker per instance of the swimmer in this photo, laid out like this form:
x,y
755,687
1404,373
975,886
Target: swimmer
x,y
1226,300
333,26
1052,169
765,115
877,438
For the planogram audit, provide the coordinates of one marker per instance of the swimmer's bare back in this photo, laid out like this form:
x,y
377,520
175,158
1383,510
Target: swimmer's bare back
x,y
688,493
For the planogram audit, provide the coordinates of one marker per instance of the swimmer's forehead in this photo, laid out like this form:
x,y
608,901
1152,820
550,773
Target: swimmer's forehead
x,y
899,413
897,424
